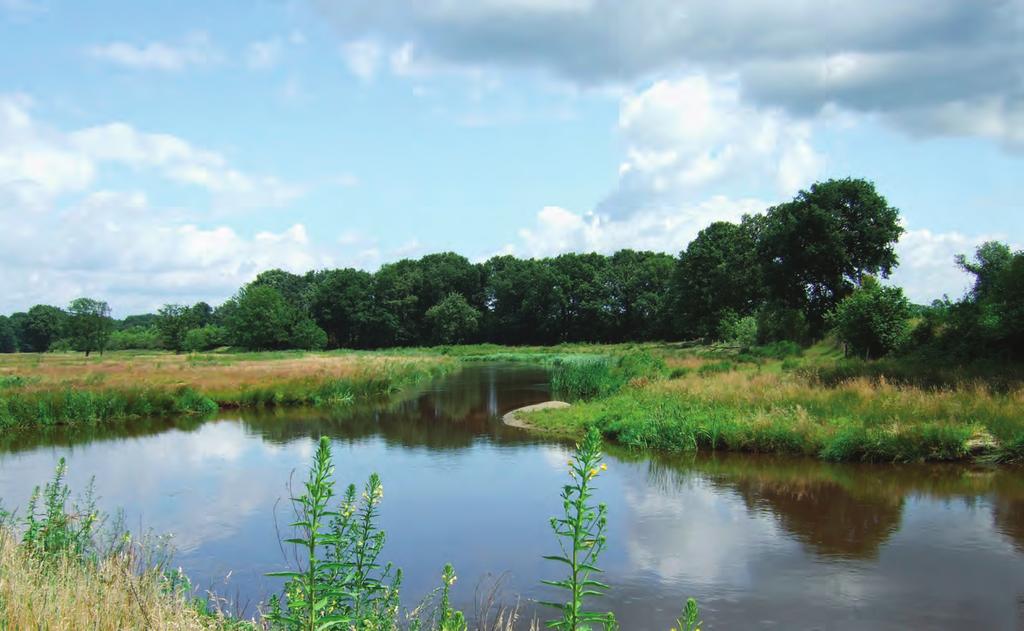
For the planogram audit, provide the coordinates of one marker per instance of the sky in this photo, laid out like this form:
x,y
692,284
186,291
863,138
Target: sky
x,y
169,152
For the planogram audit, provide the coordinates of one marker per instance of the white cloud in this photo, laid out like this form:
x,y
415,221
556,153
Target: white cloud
x,y
115,246
685,134
38,163
195,50
264,54
927,270
918,63
362,57
557,230
62,239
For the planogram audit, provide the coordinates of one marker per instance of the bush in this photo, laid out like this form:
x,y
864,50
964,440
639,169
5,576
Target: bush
x,y
205,338
739,331
776,324
308,336
874,320
136,337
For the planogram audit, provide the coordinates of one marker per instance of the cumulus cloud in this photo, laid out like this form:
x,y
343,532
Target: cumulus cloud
x,y
39,163
689,134
927,270
909,61
556,230
63,239
196,49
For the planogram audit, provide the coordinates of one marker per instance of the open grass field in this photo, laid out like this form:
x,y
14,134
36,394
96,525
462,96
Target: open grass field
x,y
66,388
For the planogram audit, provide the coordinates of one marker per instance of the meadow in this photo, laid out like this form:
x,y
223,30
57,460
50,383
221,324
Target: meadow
x,y
66,389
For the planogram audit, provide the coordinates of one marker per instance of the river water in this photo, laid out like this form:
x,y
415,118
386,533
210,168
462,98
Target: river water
x,y
760,542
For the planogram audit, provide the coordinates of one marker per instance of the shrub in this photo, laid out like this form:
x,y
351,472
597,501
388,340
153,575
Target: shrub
x,y
874,320
205,338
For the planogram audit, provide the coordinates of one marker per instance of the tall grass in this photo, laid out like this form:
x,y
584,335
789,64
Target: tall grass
x,y
774,412
118,389
589,376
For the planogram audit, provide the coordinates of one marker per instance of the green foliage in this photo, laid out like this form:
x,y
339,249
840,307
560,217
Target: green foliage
x,y
136,337
718,276
452,320
38,329
260,319
49,529
89,324
817,246
344,585
205,338
873,321
689,619
8,339
588,376
173,322
739,331
307,335
581,537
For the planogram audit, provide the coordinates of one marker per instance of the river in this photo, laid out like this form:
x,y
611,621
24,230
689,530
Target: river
x,y
760,542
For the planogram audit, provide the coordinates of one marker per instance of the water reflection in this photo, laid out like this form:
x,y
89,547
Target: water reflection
x,y
761,541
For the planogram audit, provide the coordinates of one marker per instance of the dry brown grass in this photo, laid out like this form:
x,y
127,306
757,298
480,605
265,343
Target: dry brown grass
x,y
205,373
58,595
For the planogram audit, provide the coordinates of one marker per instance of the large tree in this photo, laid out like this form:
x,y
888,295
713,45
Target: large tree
x,y
90,324
42,326
817,248
342,305
452,320
260,319
637,289
8,341
173,322
719,276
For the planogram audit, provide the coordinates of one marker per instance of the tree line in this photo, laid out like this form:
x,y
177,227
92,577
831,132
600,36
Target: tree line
x,y
795,272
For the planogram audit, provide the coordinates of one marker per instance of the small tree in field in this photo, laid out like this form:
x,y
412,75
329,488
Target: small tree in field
x,y
874,320
90,324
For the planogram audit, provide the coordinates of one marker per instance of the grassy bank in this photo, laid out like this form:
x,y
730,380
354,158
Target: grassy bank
x,y
61,592
717,400
67,389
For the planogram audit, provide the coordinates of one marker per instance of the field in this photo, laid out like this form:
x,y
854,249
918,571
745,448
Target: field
x,y
664,397
63,388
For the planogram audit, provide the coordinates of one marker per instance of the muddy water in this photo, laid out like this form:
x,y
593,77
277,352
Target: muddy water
x,y
761,542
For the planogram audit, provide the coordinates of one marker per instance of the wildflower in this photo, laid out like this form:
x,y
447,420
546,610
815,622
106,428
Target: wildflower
x,y
604,467
593,473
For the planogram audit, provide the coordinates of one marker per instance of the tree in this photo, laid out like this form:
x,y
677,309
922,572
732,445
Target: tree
x,y
990,319
90,324
294,289
342,305
452,320
201,314
173,322
8,341
718,275
305,334
42,326
817,248
874,320
205,338
260,319
638,286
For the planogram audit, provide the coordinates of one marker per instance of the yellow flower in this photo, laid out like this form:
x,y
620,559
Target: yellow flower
x,y
593,472
604,467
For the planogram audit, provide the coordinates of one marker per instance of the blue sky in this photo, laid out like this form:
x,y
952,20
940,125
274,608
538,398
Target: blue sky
x,y
168,153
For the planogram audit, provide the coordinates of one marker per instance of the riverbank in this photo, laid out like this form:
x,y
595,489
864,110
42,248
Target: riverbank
x,y
69,389
710,401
